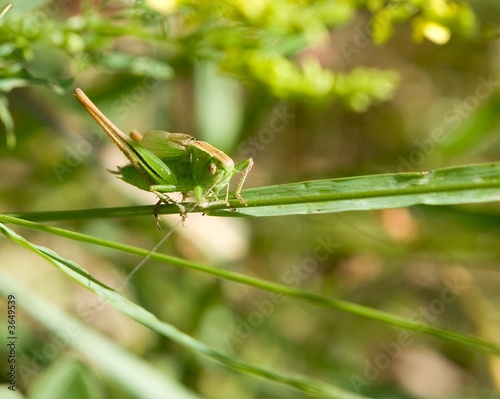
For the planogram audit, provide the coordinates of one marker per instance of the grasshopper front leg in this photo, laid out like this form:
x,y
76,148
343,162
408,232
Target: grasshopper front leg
x,y
243,168
159,191
201,194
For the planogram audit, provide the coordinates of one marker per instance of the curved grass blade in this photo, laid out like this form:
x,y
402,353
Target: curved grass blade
x,y
76,272
134,374
458,338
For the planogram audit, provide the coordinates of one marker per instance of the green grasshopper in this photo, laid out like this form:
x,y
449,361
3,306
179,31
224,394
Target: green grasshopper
x,y
162,162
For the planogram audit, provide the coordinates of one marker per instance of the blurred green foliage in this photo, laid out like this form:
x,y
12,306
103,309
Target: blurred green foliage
x,y
262,42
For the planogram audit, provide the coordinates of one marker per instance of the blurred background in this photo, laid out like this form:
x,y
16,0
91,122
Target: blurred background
x,y
309,90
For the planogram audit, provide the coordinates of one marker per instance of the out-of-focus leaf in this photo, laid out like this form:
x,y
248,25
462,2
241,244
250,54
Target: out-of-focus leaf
x,y
142,66
67,378
8,122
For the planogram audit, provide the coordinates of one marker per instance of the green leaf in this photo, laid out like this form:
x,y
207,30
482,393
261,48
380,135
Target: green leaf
x,y
76,272
457,185
67,378
141,315
8,122
447,186
133,373
141,66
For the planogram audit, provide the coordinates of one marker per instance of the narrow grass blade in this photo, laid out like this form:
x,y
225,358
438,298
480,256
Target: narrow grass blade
x,y
458,185
308,385
318,300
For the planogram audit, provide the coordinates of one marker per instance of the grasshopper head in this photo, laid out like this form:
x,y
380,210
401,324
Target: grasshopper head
x,y
212,169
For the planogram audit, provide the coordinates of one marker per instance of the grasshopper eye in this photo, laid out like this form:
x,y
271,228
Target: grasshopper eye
x,y
212,168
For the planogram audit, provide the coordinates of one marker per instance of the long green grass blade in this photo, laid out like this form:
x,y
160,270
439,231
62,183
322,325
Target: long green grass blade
x,y
318,300
127,369
141,315
458,185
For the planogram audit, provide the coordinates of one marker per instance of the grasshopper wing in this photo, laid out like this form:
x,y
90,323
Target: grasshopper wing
x,y
167,145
